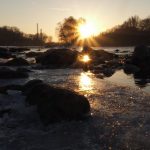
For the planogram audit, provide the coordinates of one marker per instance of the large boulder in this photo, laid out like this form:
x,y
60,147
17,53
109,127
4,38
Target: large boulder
x,y
56,104
17,62
141,56
4,53
100,56
129,68
57,58
7,73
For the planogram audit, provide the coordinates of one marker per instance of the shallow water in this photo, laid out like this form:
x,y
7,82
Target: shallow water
x,y
120,78
119,116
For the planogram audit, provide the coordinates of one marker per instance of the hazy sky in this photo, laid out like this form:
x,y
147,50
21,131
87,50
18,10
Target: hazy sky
x,y
103,13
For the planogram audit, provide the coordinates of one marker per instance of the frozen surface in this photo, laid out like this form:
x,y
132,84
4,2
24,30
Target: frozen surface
x,y
120,117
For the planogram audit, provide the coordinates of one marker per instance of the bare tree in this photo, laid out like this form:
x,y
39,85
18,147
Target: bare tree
x,y
67,30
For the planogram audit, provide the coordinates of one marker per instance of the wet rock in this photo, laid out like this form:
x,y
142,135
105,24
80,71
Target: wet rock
x,y
117,51
108,72
4,53
129,69
7,73
58,58
30,85
17,62
56,104
103,70
18,49
33,54
100,56
23,69
141,56
5,111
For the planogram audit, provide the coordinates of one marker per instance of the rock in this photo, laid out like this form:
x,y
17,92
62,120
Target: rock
x,y
4,53
23,70
141,56
58,58
30,85
100,56
16,87
116,51
33,54
57,104
5,111
7,73
18,49
17,62
129,69
108,72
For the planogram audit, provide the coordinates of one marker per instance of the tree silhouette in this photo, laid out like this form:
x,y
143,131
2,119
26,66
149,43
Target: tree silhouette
x,y
10,36
67,30
132,32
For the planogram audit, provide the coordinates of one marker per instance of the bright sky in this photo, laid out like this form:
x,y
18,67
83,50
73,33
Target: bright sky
x,y
103,13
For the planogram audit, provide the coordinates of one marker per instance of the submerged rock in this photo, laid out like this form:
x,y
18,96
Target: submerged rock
x,y
58,58
18,49
7,73
4,53
56,104
141,56
17,62
30,85
100,56
33,54
129,69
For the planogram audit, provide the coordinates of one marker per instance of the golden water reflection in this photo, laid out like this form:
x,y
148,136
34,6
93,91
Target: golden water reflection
x,y
85,81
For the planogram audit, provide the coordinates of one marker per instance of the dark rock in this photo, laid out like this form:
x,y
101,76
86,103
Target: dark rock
x,y
141,56
16,87
7,73
33,54
17,62
100,56
23,70
129,69
5,111
108,72
30,85
56,104
18,49
117,50
58,57
4,53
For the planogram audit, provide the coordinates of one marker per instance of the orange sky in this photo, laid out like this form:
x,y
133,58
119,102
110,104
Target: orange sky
x,y
103,13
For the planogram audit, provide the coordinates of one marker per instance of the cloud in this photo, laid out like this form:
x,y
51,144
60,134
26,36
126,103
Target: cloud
x,y
60,9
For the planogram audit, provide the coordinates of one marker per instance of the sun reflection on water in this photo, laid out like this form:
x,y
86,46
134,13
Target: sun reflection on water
x,y
85,81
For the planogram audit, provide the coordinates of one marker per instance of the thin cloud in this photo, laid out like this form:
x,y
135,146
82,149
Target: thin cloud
x,y
60,9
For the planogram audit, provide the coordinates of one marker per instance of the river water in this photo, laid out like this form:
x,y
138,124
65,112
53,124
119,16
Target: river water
x,y
120,114
119,77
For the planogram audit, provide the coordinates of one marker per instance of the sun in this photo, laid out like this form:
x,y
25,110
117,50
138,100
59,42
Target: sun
x,y
87,30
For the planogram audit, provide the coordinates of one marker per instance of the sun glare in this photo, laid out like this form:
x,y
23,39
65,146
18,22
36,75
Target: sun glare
x,y
86,58
85,82
86,30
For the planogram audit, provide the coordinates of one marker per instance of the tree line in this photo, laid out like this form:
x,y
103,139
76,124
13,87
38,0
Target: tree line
x,y
132,32
10,36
